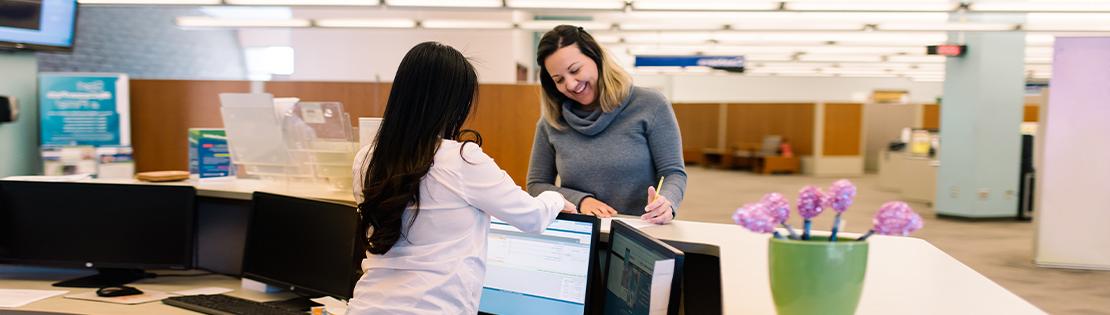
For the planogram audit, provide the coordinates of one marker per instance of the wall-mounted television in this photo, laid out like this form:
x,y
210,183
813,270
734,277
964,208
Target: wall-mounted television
x,y
38,24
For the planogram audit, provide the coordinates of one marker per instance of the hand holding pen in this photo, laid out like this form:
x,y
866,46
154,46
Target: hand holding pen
x,y
659,209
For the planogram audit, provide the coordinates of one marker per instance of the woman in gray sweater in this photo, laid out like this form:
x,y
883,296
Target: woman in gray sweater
x,y
607,141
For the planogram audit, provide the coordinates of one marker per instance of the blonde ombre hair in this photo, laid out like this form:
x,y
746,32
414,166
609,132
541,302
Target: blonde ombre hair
x,y
613,83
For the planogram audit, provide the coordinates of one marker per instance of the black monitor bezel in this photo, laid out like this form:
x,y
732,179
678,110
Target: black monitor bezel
x,y
191,232
592,272
293,287
668,251
8,45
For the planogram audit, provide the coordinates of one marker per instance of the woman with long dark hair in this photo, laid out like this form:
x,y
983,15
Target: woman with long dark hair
x,y
426,196
608,142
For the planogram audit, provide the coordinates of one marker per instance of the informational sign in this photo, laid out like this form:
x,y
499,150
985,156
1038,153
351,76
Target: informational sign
x,y
728,63
208,153
84,109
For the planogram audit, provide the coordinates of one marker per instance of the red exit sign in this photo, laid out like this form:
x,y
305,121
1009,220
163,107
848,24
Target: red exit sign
x,y
947,50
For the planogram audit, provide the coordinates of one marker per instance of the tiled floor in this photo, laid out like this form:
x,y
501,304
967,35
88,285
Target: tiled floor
x,y
1000,250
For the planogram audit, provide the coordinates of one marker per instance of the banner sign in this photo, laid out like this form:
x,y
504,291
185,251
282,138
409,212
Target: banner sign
x,y
728,63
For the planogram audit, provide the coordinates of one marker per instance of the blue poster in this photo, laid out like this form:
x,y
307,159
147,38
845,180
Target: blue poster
x,y
213,156
84,109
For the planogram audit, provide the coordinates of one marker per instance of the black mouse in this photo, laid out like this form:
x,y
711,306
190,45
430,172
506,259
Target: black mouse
x,y
115,291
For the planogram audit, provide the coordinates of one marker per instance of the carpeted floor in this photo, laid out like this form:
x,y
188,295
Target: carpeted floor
x,y
1001,250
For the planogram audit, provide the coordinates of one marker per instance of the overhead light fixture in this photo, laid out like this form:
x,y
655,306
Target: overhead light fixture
x,y
948,27
155,2
1040,6
1086,27
545,25
916,59
305,2
780,26
861,6
365,23
607,39
467,24
566,4
632,26
1038,59
841,58
704,5
204,21
669,38
445,3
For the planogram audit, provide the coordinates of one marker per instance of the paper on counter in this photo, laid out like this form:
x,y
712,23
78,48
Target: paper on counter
x,y
332,305
206,291
147,297
661,278
12,298
41,178
635,222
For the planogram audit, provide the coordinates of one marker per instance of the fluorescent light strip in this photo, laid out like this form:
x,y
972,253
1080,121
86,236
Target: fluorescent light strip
x,y
203,21
445,4
917,59
305,2
858,6
545,25
366,23
167,2
566,4
695,5
1087,27
841,58
753,26
466,24
948,27
671,27
1042,6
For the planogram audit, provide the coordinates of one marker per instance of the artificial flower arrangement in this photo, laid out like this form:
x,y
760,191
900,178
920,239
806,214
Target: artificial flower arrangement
x,y
773,210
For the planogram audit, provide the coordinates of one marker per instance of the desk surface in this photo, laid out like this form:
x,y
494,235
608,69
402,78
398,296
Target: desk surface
x,y
904,275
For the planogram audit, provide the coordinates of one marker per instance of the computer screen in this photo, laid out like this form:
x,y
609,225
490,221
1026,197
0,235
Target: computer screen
x,y
643,274
540,274
41,24
304,245
97,225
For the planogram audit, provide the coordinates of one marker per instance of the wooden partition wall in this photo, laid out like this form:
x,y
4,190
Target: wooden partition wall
x,y
931,115
843,127
164,110
748,123
699,125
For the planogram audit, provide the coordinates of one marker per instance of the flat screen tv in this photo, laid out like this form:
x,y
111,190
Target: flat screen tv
x,y
38,24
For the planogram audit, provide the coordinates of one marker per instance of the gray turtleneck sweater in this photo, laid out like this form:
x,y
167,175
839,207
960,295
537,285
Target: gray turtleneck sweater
x,y
612,156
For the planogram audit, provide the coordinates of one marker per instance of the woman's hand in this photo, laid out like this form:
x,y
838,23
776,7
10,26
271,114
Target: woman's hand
x,y
569,207
659,210
594,207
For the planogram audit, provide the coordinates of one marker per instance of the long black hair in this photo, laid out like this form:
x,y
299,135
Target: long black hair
x,y
430,100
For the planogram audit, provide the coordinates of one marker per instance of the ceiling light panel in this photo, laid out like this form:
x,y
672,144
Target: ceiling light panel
x,y
948,27
203,21
305,2
1040,6
566,4
633,26
167,2
545,25
366,23
467,24
703,5
885,5
445,3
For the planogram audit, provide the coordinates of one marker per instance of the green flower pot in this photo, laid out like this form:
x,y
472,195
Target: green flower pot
x,y
816,276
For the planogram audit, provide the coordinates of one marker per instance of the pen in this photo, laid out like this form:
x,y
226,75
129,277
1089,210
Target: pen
x,y
658,188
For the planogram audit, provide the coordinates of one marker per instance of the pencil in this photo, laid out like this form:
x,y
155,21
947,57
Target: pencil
x,y
658,188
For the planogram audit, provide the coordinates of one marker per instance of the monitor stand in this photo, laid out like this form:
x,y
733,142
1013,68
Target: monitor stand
x,y
299,304
106,277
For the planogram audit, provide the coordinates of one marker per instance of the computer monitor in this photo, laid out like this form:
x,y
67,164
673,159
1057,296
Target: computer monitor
x,y
539,274
643,275
38,24
117,229
304,245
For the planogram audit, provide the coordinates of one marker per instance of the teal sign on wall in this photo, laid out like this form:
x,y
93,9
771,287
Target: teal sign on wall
x,y
84,109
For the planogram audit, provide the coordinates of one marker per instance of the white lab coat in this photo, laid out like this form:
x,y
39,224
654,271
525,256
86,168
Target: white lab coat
x,y
439,265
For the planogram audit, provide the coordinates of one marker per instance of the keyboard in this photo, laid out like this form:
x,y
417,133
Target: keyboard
x,y
219,304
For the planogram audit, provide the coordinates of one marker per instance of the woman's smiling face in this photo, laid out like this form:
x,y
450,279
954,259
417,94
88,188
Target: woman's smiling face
x,y
574,73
